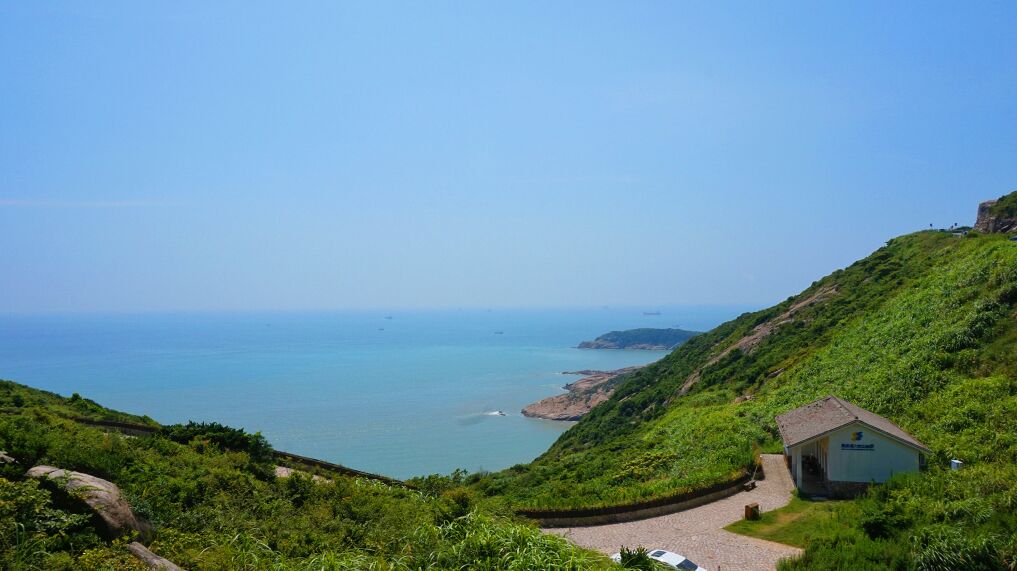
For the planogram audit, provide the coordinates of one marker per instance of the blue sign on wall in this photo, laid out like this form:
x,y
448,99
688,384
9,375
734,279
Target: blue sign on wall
x,y
856,437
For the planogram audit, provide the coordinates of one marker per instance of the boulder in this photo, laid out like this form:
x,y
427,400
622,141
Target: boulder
x,y
151,560
285,472
102,497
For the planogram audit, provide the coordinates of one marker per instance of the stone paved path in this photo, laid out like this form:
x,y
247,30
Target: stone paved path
x,y
698,533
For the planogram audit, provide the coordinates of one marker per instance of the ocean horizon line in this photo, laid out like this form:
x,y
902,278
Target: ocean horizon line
x,y
381,309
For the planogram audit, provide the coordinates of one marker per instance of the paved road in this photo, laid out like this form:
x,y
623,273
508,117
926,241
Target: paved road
x,y
697,533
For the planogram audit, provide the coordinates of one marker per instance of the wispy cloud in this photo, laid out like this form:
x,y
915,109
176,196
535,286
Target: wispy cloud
x,y
35,203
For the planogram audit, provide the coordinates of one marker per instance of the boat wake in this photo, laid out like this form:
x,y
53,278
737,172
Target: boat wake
x,y
480,416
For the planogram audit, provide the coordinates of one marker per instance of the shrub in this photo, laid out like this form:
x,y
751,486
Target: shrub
x,y
225,437
637,558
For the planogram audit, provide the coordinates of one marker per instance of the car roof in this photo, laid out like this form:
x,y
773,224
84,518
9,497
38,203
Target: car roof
x,y
671,558
666,556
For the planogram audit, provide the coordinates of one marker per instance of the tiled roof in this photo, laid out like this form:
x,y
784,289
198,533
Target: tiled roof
x,y
830,413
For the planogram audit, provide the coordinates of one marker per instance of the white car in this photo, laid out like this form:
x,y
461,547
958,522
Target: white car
x,y
667,558
674,560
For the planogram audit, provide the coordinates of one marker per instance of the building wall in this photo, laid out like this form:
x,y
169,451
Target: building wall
x,y
872,458
846,490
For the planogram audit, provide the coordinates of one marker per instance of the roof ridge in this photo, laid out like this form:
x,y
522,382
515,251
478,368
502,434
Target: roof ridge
x,y
846,413
844,406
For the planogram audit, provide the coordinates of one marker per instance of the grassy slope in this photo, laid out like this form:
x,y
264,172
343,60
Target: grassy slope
x,y
921,331
14,397
223,509
1006,206
800,522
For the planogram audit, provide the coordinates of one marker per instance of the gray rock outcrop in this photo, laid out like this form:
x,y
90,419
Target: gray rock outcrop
x,y
584,394
151,560
989,222
102,497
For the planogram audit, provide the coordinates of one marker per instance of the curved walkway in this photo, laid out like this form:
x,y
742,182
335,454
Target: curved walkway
x,y
698,533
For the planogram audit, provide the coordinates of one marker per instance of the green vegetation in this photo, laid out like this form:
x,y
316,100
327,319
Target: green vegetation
x,y
639,558
640,339
800,522
922,331
215,503
1005,207
17,398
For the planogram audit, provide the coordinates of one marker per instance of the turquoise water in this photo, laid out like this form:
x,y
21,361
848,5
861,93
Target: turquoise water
x,y
398,393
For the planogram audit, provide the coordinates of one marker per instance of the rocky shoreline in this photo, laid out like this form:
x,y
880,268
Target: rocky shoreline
x,y
594,388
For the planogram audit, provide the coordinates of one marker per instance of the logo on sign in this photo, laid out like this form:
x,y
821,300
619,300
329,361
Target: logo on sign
x,y
856,437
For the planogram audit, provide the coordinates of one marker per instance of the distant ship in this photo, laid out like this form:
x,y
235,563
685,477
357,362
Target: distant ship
x,y
499,332
651,313
388,317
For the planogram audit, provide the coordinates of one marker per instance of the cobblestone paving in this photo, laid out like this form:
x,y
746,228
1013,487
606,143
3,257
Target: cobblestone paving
x,y
698,533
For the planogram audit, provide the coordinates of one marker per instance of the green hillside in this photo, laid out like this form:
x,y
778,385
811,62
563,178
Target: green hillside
x,y
15,398
214,500
921,331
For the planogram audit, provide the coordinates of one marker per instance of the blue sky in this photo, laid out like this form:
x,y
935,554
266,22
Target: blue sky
x,y
187,156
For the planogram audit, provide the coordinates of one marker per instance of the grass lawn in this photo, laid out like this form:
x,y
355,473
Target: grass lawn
x,y
799,522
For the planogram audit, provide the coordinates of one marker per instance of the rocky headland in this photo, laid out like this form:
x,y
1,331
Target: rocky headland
x,y
998,215
594,388
645,338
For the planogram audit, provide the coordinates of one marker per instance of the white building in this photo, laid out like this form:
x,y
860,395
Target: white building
x,y
836,448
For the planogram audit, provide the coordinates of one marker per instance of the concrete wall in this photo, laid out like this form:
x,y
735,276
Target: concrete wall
x,y
641,513
873,458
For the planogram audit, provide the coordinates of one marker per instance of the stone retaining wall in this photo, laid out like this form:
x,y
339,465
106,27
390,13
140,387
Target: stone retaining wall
x,y
640,510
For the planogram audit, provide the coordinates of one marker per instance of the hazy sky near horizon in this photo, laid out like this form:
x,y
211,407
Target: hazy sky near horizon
x,y
239,155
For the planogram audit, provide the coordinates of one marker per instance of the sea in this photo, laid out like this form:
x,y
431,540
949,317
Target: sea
x,y
400,393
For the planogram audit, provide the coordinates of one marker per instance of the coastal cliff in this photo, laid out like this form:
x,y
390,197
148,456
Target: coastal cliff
x,y
998,216
645,338
582,396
